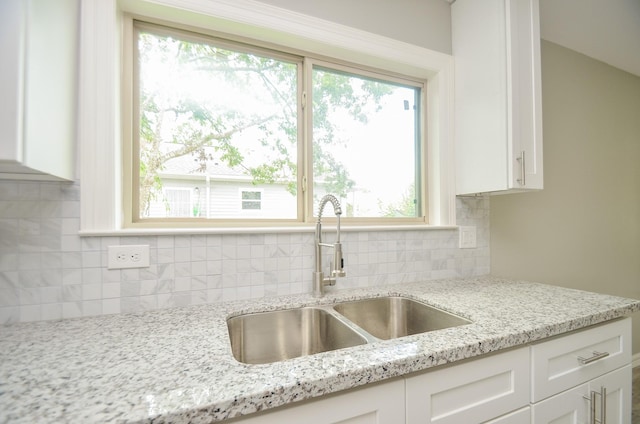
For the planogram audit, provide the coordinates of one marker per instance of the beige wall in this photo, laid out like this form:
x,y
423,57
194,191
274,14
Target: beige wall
x,y
583,230
425,23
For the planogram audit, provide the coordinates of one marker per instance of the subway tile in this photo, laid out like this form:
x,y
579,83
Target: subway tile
x,y
91,307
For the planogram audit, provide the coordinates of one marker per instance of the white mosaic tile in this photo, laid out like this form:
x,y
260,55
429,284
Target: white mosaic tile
x,y
40,250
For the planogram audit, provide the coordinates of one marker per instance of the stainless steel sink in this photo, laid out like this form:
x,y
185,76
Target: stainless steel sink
x,y
392,317
266,337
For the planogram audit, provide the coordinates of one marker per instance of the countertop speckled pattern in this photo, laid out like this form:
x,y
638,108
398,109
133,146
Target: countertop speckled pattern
x,y
175,365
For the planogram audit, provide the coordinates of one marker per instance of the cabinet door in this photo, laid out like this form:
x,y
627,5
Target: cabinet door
x,y
38,78
521,416
570,407
524,85
12,41
498,107
474,391
616,389
377,404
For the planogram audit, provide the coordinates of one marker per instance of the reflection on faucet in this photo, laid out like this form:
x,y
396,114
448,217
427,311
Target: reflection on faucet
x,y
337,269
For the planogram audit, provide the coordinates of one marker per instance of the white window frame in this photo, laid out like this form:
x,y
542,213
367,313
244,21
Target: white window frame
x,y
101,104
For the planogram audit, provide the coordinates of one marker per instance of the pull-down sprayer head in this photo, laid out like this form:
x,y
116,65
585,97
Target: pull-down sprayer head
x,y
338,261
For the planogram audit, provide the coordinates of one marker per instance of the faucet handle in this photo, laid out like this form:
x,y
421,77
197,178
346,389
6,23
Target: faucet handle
x,y
337,269
338,273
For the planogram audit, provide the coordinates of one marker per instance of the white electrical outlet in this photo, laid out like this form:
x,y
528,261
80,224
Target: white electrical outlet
x,y
467,237
133,256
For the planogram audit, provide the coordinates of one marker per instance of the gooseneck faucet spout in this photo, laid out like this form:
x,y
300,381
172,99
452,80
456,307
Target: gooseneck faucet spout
x,y
337,268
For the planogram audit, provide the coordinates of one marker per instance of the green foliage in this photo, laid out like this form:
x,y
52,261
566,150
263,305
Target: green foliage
x,y
405,207
175,122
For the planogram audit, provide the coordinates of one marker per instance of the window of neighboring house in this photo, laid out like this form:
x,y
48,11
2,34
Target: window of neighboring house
x,y
176,202
229,113
251,200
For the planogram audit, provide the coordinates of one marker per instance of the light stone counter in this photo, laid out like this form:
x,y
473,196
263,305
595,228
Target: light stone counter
x,y
175,365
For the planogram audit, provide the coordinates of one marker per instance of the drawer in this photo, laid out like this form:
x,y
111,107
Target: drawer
x,y
473,391
556,363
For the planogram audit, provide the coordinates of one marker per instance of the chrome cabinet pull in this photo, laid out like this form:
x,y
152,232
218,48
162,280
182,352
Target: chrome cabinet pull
x,y
603,405
522,180
595,357
593,406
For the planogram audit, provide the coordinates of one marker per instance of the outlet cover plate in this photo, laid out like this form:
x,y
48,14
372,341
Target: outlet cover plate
x,y
129,256
467,237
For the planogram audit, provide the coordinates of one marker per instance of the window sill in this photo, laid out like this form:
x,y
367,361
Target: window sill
x,y
256,230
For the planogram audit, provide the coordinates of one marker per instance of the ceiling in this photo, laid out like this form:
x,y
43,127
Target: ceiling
x,y
607,30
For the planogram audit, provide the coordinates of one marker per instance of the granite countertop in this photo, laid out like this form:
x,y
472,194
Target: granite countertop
x,y
175,365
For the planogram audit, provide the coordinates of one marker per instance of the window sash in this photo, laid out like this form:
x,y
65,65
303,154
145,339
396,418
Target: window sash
x,y
420,162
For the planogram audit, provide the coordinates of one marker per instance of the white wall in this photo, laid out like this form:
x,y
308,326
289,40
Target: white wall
x,y
583,230
425,23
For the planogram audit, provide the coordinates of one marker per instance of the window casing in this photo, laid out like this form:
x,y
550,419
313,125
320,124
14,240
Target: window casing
x,y
312,160
105,99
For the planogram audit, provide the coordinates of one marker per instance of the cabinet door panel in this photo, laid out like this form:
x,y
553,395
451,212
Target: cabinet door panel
x,y
521,416
523,29
618,395
474,391
498,106
570,407
12,19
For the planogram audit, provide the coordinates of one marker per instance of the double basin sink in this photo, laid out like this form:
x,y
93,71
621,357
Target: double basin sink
x,y
265,337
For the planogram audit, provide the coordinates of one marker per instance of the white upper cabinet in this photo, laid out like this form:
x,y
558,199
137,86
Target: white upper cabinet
x,y
498,109
38,46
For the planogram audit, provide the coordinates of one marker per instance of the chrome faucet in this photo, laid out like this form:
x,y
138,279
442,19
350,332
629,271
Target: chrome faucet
x,y
337,268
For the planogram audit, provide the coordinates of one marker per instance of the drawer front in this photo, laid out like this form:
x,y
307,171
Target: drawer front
x,y
556,365
474,391
381,403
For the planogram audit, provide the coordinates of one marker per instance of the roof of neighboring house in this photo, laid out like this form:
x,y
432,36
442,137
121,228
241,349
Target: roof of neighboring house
x,y
192,165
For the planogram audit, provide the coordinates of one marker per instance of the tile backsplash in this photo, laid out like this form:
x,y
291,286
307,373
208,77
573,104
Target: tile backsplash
x,y
49,272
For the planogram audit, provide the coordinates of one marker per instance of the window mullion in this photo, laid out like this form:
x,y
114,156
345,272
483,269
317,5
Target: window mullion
x,y
307,140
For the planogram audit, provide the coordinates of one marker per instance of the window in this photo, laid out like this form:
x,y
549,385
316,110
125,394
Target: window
x,y
176,202
366,144
219,114
251,200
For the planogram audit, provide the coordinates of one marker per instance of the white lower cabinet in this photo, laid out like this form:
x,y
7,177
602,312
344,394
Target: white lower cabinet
x,y
586,404
583,377
580,378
